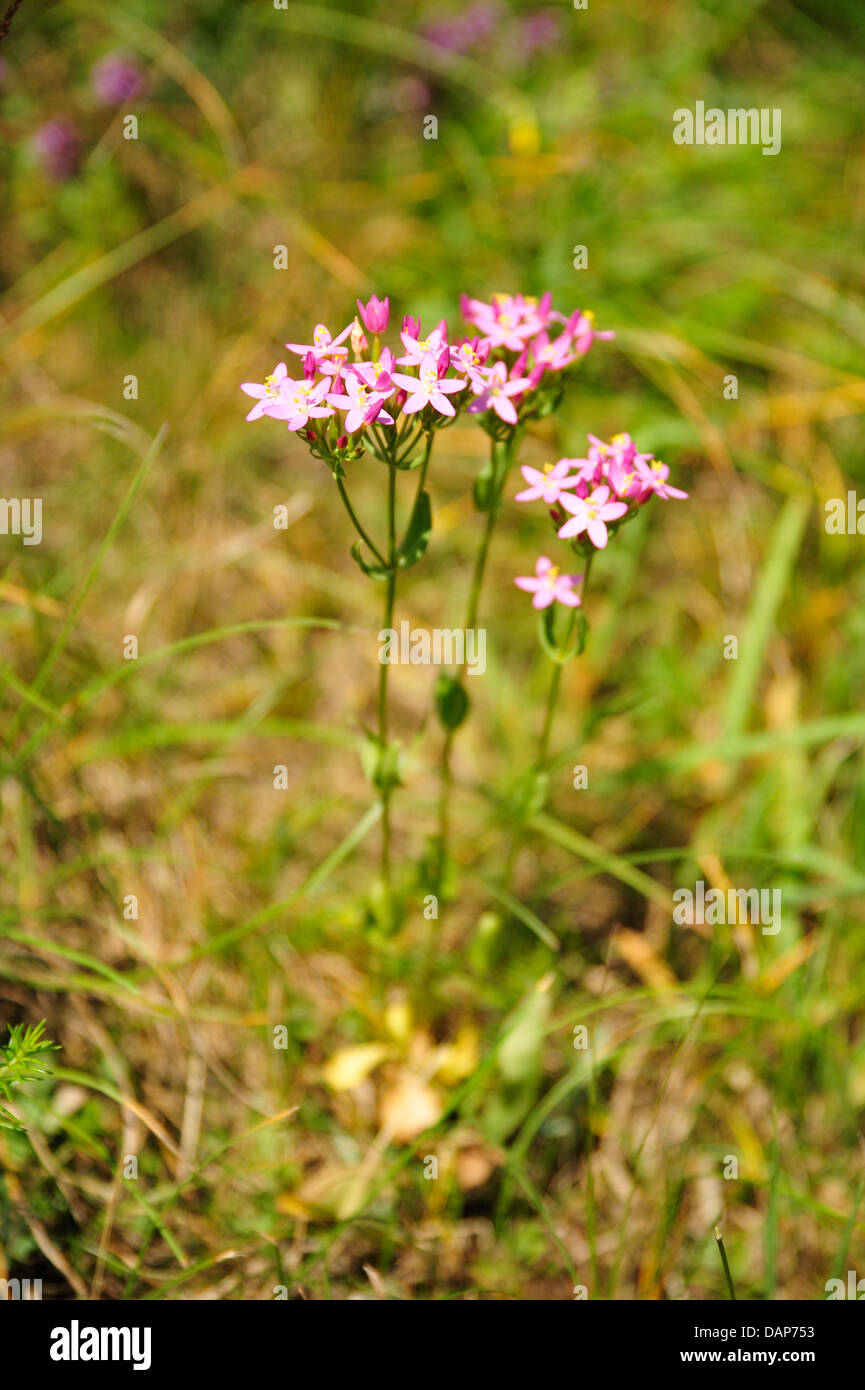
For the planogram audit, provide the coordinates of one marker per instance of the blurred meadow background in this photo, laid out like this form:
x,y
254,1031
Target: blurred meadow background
x,y
280,1065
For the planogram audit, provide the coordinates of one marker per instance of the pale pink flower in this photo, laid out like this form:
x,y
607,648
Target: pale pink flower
x,y
590,514
267,392
429,387
497,392
326,350
548,485
300,401
548,586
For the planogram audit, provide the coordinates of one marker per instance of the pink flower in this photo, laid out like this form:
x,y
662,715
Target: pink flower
x,y
556,355
589,514
375,314
417,348
654,476
267,392
299,401
469,357
508,320
429,387
325,349
363,405
497,392
548,484
582,329
548,585
376,374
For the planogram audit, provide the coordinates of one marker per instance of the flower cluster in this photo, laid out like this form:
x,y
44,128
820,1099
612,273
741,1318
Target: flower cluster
x,y
512,368
588,499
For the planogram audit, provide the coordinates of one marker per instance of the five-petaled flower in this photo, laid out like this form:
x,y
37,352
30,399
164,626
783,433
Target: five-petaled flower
x,y
416,349
300,401
591,514
430,386
326,350
548,485
361,402
549,586
497,393
266,392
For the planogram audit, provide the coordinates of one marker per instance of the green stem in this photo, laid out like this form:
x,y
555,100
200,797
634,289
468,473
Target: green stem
x,y
356,524
549,714
502,453
390,593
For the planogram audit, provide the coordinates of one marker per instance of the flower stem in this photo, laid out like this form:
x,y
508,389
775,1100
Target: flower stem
x,y
502,453
549,715
390,594
356,524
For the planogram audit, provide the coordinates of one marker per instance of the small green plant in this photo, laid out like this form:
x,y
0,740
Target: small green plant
x,y
20,1061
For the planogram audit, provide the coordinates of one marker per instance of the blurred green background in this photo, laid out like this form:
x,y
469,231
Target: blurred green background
x,y
282,1070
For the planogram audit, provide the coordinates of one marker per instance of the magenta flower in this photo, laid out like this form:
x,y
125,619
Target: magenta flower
x,y
548,484
375,314
509,320
430,387
57,145
548,586
116,79
469,357
363,405
497,393
590,514
654,476
555,355
377,375
325,349
583,331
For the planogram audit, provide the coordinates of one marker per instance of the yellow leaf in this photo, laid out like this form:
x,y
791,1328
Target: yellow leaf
x,y
457,1060
352,1065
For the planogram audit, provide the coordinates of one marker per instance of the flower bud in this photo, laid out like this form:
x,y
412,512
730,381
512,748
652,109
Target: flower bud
x,y
375,314
359,342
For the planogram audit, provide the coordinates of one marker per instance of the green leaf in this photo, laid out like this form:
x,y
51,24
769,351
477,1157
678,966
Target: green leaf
x,y
373,571
452,701
417,536
380,762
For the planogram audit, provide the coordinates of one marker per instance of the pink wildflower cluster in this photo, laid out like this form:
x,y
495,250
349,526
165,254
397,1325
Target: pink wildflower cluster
x,y
512,368
587,498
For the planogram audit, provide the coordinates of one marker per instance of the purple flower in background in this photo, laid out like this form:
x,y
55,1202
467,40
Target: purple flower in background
x,y
57,146
116,79
539,31
4,71
459,33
